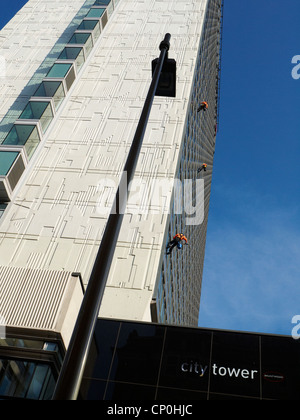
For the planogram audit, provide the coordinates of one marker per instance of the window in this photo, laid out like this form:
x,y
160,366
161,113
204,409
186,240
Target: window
x,y
83,39
59,70
88,25
36,110
53,90
7,158
23,135
12,165
73,53
63,70
28,368
91,25
95,12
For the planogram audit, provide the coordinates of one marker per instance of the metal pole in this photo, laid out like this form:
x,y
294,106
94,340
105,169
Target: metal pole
x,y
68,384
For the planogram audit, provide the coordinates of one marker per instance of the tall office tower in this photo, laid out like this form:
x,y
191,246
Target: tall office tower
x,y
74,77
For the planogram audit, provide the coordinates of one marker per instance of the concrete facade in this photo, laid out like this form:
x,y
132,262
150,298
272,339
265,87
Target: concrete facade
x,y
58,210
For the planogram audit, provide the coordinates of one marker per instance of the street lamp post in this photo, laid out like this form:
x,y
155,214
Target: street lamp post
x,y
68,384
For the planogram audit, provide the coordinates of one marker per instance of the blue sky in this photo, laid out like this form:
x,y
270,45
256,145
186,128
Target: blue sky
x,y
252,269
252,263
8,9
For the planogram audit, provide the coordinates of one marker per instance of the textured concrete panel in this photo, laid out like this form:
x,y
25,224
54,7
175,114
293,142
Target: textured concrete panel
x,y
54,221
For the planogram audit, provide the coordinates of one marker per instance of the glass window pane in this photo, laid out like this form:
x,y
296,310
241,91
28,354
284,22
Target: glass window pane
x,y
41,90
34,110
38,111
53,90
38,379
79,38
12,377
59,70
32,143
88,46
83,38
88,25
59,96
23,135
23,380
70,53
96,12
73,53
7,158
28,380
18,135
47,89
46,118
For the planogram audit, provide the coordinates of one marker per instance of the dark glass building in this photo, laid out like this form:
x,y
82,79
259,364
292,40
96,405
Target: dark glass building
x,y
147,362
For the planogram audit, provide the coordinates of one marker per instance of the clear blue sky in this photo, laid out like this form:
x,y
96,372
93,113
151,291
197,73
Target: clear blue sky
x,y
251,276
252,269
8,9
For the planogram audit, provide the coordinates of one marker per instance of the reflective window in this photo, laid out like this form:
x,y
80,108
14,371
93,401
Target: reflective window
x,y
90,25
7,159
23,135
59,70
38,111
137,355
83,38
96,12
53,90
28,344
64,70
73,53
28,368
22,379
42,383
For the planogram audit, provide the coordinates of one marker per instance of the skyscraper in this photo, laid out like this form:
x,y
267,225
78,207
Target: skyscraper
x,y
74,78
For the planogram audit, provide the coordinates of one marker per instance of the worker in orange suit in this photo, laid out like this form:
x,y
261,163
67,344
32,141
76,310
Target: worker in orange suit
x,y
203,167
176,242
203,106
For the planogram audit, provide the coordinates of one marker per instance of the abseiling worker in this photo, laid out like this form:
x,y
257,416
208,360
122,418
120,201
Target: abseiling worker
x,y
176,241
203,167
203,106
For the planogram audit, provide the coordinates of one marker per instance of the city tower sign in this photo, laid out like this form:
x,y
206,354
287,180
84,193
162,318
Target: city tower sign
x,y
199,369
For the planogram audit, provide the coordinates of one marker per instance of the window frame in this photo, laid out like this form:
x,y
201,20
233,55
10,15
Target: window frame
x,y
39,118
